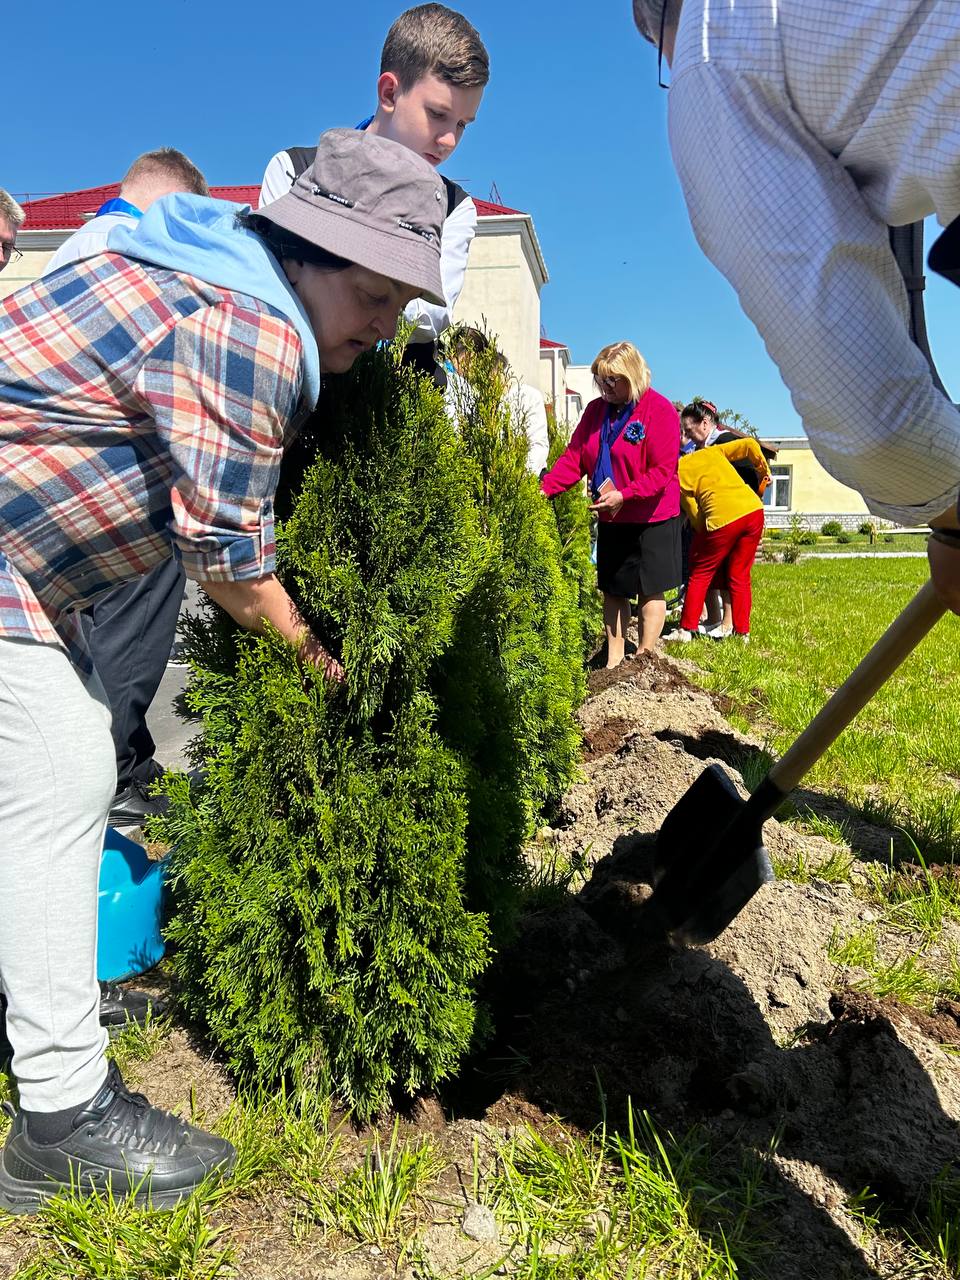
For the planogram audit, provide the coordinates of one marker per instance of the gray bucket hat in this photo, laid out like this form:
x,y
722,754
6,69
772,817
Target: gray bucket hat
x,y
373,202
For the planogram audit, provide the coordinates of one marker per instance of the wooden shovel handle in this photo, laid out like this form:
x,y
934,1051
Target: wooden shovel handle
x,y
897,643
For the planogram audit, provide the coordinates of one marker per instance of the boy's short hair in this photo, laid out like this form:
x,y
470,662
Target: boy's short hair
x,y
434,40
468,341
168,163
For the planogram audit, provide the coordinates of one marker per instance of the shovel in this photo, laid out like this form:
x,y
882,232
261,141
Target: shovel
x,y
709,859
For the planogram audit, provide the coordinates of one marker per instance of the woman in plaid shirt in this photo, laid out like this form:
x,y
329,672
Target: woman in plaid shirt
x,y
145,397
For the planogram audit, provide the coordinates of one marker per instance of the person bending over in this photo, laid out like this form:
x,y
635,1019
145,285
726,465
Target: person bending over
x,y
146,396
802,130
727,521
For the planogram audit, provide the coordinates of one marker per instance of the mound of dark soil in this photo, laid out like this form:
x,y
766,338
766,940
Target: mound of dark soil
x,y
746,1037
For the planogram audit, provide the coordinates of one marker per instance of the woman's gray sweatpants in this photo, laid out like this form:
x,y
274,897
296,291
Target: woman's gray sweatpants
x,y
57,780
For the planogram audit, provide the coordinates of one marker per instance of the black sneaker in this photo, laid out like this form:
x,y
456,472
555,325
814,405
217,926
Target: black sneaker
x,y
134,804
118,1142
122,1005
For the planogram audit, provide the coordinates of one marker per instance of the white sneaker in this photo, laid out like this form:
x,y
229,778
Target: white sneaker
x,y
716,630
681,636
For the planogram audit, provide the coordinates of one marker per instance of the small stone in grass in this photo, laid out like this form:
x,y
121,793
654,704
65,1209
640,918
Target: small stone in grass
x,y
480,1224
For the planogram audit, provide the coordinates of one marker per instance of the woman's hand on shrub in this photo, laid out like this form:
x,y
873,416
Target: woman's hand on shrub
x,y
312,651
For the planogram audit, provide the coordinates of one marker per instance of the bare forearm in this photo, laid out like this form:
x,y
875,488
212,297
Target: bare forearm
x,y
254,602
258,601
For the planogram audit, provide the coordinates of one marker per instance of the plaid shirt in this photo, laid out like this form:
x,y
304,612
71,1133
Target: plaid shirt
x,y
142,414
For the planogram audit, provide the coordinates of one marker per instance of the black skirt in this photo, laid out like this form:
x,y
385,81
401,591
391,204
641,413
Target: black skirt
x,y
638,559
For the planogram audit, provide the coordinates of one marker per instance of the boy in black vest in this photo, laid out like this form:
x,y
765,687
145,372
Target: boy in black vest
x,y
433,70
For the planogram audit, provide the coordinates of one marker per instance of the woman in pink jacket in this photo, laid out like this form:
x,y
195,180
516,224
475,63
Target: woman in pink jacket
x,y
628,443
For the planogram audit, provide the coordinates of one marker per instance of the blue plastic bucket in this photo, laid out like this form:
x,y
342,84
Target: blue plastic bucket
x,y
130,910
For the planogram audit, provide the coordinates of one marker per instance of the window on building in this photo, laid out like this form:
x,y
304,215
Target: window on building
x,y
777,493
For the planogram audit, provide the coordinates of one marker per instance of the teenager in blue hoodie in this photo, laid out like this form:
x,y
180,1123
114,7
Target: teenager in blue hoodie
x,y
145,399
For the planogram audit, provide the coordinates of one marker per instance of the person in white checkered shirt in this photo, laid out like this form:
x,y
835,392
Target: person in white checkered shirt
x,y
801,131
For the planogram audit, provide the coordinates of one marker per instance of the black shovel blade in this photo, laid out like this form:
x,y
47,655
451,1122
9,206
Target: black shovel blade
x,y
709,860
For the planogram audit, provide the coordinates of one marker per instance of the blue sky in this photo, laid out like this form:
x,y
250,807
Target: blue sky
x,y
572,130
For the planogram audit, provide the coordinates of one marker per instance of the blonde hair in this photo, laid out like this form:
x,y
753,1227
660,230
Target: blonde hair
x,y
623,360
10,211
167,164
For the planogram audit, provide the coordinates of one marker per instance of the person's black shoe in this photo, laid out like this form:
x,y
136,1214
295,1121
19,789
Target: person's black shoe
x,y
118,1141
134,804
121,1005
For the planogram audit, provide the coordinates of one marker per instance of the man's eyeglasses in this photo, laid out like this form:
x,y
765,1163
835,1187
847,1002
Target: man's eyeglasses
x,y
9,251
609,382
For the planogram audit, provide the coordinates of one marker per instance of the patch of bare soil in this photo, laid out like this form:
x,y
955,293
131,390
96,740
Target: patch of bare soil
x,y
606,737
748,1036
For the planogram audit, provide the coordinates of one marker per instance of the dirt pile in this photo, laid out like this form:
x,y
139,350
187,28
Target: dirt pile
x,y
748,1036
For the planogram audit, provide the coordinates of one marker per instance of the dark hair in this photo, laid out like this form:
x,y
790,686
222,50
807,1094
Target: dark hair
x,y
171,164
285,244
699,409
432,39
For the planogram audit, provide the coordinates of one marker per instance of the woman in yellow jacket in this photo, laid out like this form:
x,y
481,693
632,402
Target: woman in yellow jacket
x,y
727,519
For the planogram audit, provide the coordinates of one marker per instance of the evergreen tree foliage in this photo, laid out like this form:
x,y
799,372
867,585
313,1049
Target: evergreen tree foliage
x,y
354,853
574,526
320,920
511,719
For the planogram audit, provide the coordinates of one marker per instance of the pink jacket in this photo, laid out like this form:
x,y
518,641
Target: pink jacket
x,y
645,473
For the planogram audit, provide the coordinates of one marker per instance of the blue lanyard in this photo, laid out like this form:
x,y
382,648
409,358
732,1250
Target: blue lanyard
x,y
116,205
612,426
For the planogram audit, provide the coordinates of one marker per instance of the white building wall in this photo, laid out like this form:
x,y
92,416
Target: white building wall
x,y
500,294
580,379
24,272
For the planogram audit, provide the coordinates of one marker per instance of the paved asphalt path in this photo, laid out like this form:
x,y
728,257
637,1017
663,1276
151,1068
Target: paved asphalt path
x,y
170,731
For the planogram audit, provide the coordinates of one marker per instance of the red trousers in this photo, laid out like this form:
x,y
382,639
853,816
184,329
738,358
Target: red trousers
x,y
729,551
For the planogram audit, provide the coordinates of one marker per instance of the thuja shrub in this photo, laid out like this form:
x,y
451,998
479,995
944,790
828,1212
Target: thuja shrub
x,y
571,511
514,677
324,924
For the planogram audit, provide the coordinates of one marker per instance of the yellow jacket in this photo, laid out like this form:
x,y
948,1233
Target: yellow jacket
x,y
711,493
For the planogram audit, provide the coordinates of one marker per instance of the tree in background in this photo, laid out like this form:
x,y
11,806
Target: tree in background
x,y
575,523
511,683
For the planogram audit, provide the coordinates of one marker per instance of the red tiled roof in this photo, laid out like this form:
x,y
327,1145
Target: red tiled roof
x,y
547,345
487,210
73,208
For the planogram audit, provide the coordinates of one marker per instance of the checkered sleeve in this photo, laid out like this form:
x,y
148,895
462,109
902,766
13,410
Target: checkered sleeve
x,y
785,223
221,387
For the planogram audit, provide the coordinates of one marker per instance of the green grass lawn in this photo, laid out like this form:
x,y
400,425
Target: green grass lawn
x,y
812,622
